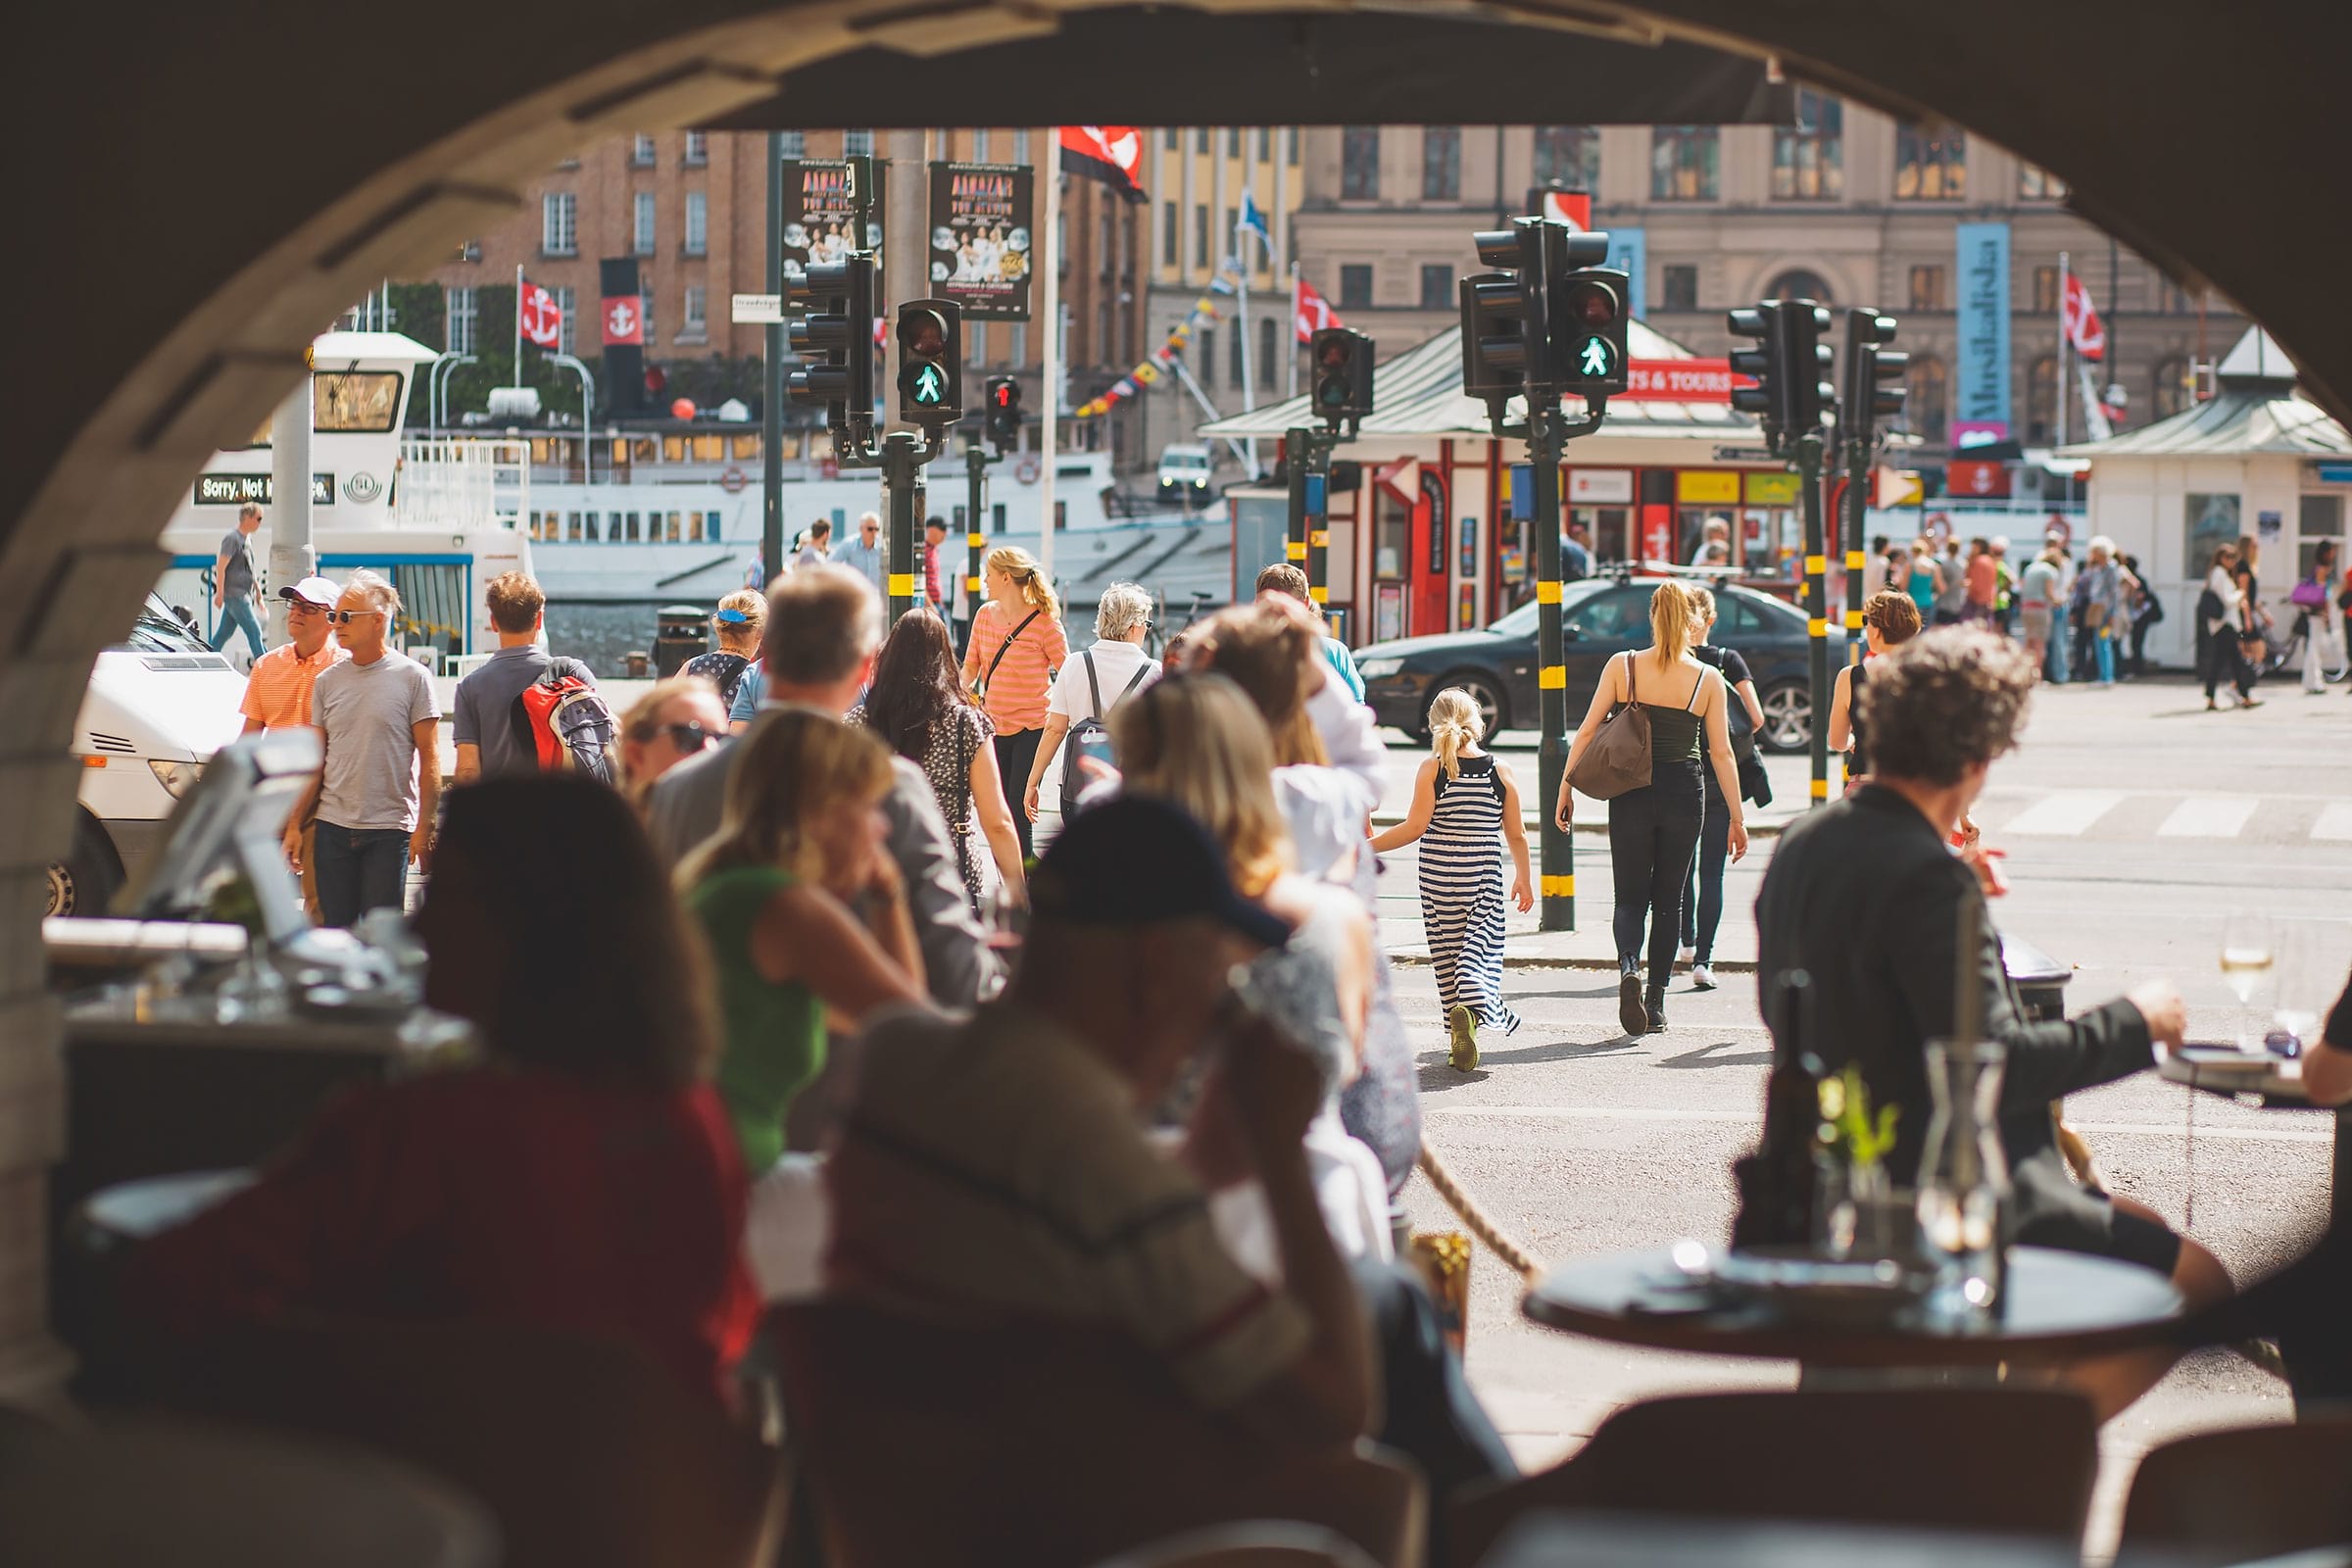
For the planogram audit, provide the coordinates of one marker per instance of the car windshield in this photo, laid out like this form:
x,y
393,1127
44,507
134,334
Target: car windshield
x,y
1521,622
159,631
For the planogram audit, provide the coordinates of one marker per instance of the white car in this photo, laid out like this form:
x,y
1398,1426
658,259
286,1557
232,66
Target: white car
x,y
1185,472
159,704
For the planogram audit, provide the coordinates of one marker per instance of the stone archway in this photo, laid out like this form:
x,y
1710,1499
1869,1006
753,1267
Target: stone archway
x,y
210,188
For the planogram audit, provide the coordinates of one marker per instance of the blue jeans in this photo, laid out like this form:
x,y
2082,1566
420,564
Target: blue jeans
x,y
360,868
2103,643
239,612
2054,661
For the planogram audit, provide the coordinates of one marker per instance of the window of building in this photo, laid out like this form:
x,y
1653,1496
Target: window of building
x,y
1020,145
975,341
2210,522
1930,166
2170,298
697,146
2045,290
1167,233
693,323
1355,286
1269,349
698,223
1107,250
1233,141
1930,288
858,143
1568,156
794,143
1231,233
645,308
1206,353
1200,139
1290,154
2176,387
1241,346
2319,521
979,145
1265,144
2038,184
1923,396
1359,163
461,313
1437,286
1808,158
1172,139
1199,234
2041,398
1441,163
563,303
1678,286
640,230
560,223
641,150
1800,284
1685,164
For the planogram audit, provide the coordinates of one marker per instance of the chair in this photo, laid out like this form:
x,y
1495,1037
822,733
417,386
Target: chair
x,y
1050,1447
2227,1496
1980,1459
1253,1544
587,1454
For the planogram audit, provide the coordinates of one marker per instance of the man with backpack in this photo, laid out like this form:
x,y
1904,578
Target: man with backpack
x,y
1090,686
525,711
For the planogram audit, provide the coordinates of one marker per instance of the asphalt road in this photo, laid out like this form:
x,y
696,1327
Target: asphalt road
x,y
2134,824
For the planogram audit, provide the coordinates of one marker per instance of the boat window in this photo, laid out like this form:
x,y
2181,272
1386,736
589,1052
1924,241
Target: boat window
x,y
710,448
1071,470
788,448
593,533
747,449
360,401
673,449
620,451
642,449
632,527
573,531
675,535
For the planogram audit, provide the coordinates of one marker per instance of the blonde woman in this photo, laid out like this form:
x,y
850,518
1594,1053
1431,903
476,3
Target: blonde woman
x,y
1017,647
676,719
1653,830
737,622
802,839
1462,796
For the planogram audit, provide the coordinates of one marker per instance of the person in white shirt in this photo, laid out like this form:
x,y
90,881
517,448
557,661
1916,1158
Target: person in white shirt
x,y
1091,685
1715,548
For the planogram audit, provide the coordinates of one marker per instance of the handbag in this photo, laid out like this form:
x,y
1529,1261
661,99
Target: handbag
x,y
2310,593
1617,760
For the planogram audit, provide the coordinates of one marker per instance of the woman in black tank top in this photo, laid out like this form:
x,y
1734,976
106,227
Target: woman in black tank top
x,y
1889,620
1654,830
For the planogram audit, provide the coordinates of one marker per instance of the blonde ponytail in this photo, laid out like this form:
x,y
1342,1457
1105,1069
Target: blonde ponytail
x,y
1453,723
1673,620
1022,568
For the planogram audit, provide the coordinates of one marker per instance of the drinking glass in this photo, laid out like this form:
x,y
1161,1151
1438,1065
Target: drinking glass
x,y
2248,955
2295,1001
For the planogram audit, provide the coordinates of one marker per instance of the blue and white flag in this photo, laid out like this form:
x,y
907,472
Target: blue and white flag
x,y
1254,222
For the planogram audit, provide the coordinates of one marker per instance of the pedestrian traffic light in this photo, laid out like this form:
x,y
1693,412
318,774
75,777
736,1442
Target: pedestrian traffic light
x,y
1003,416
835,300
931,364
1494,336
1342,359
1589,326
1873,377
1808,393
1761,325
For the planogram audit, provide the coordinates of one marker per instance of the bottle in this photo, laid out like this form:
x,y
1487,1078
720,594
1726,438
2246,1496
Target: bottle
x,y
1777,1183
1964,1179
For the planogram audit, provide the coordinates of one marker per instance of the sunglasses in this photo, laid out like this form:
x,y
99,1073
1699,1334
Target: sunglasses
x,y
686,737
344,618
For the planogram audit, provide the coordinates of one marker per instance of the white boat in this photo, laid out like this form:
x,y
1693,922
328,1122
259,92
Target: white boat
x,y
438,518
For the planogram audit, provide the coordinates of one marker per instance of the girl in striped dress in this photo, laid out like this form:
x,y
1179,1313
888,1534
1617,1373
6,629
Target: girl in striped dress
x,y
1461,798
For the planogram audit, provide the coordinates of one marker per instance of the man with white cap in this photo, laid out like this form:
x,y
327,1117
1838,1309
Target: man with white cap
x,y
277,689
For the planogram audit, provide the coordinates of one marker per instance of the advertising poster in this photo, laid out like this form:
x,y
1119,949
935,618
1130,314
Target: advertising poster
x,y
818,219
1982,403
980,233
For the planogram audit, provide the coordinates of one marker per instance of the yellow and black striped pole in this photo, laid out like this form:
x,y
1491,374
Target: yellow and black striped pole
x,y
1556,874
1297,461
975,529
1817,608
1854,501
901,465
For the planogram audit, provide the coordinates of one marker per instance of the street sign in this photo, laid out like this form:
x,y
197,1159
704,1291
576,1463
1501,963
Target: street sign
x,y
1744,455
757,309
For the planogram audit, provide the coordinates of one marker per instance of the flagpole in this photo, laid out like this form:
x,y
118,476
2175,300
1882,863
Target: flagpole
x,y
1242,325
519,323
2063,263
1292,333
1049,362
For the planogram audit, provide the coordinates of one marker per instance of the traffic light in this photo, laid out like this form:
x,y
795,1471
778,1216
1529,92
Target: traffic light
x,y
931,363
1493,333
1342,359
1759,323
1004,413
837,301
1589,323
1873,377
1805,360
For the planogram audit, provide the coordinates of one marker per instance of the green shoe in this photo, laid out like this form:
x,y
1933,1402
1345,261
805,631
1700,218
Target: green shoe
x,y
1462,1024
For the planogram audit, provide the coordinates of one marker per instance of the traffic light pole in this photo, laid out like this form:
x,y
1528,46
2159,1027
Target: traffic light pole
x,y
1548,433
1851,523
1817,609
976,463
1295,466
1307,454
771,400
901,458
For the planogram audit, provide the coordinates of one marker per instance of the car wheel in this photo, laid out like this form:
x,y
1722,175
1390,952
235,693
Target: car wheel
x,y
1788,716
1482,691
85,881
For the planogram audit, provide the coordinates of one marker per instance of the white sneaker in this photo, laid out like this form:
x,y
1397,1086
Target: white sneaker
x,y
1702,977
1685,955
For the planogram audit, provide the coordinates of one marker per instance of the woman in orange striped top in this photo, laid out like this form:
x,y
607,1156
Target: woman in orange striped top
x,y
1017,646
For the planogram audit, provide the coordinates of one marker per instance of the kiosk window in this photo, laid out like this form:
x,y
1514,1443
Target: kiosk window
x,y
354,402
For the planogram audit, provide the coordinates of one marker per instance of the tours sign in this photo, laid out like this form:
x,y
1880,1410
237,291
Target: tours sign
x,y
980,239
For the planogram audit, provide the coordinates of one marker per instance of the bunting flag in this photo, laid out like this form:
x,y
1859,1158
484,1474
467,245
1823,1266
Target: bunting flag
x,y
1111,154
1205,311
1254,221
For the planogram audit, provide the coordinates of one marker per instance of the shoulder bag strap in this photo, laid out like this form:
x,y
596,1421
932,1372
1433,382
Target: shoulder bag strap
x,y
1632,694
1092,687
1006,646
1696,686
1133,681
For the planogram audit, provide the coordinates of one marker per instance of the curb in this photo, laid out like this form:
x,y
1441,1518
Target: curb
x,y
1420,960
1535,824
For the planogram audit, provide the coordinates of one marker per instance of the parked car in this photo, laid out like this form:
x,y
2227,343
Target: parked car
x,y
1185,472
1601,618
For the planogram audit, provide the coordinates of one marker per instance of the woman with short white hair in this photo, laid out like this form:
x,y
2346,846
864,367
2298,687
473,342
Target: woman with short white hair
x,y
1095,682
2105,591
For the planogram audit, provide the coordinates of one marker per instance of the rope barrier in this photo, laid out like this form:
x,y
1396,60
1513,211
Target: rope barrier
x,y
1482,1224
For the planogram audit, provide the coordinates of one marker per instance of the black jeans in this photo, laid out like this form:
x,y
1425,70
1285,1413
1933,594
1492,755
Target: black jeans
x,y
359,869
2226,661
1702,900
1653,832
1016,752
2140,645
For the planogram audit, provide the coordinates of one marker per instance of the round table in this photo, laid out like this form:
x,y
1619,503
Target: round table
x,y
128,1212
2061,1307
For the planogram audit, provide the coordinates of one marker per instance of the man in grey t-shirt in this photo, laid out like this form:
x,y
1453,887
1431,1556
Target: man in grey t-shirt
x,y
234,582
381,781
489,743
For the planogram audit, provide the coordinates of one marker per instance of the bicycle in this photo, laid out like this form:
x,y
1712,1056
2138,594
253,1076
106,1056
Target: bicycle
x,y
2284,652
1156,640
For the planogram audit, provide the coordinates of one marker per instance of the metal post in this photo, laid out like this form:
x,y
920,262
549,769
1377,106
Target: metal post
x,y
1318,523
291,558
771,401
1817,609
902,457
975,537
1850,524
1049,414
1557,879
1294,470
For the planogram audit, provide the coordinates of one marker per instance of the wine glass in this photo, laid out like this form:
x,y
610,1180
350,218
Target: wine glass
x,y
2248,954
2294,1005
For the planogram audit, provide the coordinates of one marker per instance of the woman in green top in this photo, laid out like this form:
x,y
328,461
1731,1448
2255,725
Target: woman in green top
x,y
800,845
1653,830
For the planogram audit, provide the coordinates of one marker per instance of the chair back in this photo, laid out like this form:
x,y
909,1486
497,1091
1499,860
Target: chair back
x,y
1980,1459
1052,1445
1251,1544
2254,1491
587,1454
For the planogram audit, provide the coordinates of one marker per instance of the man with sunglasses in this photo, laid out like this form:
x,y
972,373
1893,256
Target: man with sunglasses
x,y
277,689
381,781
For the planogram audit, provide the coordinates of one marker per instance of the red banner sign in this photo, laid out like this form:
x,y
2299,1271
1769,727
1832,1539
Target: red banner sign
x,y
1681,380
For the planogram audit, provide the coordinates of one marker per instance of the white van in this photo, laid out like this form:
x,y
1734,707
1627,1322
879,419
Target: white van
x,y
159,704
1185,472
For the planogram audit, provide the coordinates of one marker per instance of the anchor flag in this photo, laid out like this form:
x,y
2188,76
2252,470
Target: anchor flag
x,y
542,318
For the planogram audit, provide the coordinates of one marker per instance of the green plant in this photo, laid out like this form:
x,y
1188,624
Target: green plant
x,y
1846,1122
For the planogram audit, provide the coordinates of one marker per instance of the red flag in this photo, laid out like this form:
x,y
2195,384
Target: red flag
x,y
624,320
2084,330
1312,313
1111,154
541,320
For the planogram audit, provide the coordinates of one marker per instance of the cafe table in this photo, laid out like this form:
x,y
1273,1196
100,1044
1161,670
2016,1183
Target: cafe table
x,y
2268,1082
2060,1306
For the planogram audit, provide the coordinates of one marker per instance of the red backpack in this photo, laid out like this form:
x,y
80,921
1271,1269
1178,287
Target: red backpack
x,y
567,723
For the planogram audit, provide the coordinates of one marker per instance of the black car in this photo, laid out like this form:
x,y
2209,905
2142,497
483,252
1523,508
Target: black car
x,y
1602,618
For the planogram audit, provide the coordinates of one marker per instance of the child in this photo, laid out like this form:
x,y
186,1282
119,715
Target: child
x,y
1461,796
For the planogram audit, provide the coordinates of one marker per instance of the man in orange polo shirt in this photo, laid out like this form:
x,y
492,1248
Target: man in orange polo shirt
x,y
277,689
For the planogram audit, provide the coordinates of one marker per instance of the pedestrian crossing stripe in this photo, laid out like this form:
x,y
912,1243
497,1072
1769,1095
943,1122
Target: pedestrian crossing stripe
x,y
901,585
1547,593
1552,678
2212,817
2335,823
1558,887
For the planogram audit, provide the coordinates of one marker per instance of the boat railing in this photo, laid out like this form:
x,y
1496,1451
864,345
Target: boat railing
x,y
453,482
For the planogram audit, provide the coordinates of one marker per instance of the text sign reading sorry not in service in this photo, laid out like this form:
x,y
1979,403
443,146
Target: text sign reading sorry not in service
x,y
235,489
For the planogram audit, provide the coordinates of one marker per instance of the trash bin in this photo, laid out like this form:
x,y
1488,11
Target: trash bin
x,y
681,633
2041,979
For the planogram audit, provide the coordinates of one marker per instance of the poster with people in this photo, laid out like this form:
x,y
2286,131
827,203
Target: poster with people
x,y
980,233
818,219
